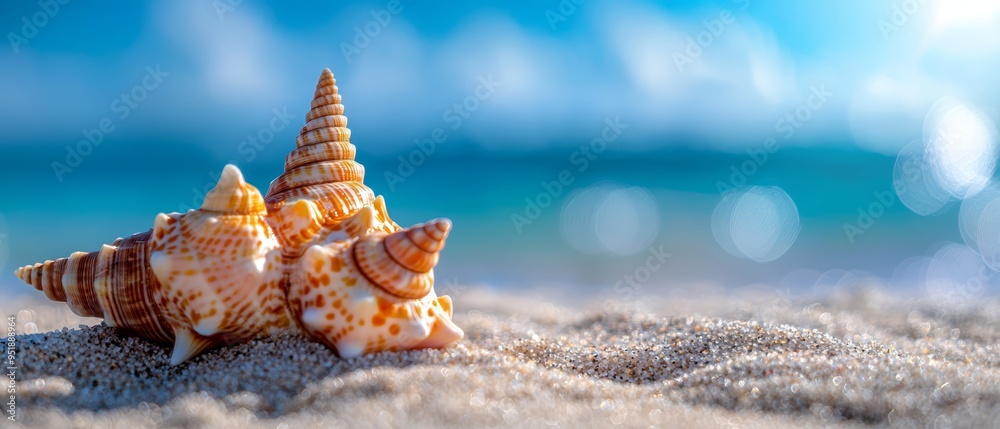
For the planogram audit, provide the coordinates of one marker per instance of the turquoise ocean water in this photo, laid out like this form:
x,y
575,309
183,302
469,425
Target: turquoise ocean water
x,y
499,239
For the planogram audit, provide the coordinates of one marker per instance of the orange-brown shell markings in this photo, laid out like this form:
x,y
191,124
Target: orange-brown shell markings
x,y
337,301
199,279
296,224
367,220
220,269
300,221
320,246
114,283
400,264
321,169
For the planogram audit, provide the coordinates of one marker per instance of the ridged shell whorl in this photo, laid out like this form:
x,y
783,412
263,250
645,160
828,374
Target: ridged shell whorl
x,y
375,293
114,283
322,167
219,269
400,264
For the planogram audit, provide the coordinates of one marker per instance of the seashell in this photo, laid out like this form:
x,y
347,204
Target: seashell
x,y
318,252
220,269
197,280
321,169
301,221
375,293
114,283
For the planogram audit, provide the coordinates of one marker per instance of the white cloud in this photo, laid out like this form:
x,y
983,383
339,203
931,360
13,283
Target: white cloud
x,y
962,14
495,44
886,113
773,75
644,40
543,88
236,56
716,77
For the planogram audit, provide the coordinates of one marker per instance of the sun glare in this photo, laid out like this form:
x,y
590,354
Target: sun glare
x,y
957,13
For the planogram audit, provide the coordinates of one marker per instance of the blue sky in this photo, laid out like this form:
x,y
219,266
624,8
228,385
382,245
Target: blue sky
x,y
561,72
729,79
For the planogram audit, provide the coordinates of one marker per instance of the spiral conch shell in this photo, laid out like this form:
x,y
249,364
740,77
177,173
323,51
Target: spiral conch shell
x,y
318,252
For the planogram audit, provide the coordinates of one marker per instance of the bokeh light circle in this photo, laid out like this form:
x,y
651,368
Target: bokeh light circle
x,y
578,222
608,218
910,274
627,221
987,233
961,147
957,275
799,279
827,282
721,220
914,182
971,213
759,223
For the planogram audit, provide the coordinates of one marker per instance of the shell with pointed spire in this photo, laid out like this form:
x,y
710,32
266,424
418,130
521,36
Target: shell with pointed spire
x,y
219,269
321,169
375,293
197,280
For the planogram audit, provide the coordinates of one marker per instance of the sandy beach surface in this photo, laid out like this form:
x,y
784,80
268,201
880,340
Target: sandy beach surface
x,y
711,358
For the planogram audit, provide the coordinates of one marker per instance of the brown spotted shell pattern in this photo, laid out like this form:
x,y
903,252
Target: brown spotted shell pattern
x,y
318,252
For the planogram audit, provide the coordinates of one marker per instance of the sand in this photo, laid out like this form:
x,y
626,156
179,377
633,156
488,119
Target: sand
x,y
710,358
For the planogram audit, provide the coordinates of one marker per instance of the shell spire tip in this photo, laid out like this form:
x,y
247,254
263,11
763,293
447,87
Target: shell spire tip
x,y
442,224
231,176
232,194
